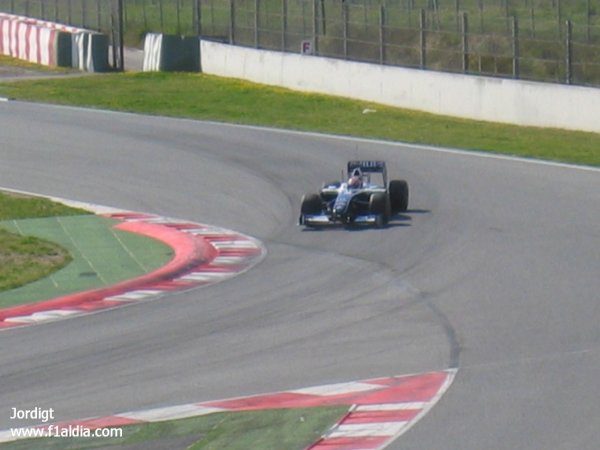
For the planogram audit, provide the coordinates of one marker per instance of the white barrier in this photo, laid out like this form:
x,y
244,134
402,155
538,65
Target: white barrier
x,y
171,53
152,52
472,97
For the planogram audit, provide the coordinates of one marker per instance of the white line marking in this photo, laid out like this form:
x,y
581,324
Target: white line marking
x,y
392,406
226,260
337,389
216,232
129,252
135,295
205,276
453,151
83,256
221,245
43,316
367,429
470,153
170,413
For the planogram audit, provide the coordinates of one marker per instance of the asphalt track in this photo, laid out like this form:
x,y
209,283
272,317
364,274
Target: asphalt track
x,y
495,270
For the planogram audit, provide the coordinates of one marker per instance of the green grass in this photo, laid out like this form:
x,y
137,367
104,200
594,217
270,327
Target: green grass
x,y
207,97
8,61
24,259
270,429
18,206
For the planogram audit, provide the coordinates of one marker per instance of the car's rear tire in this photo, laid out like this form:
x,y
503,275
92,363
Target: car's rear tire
x,y
311,204
379,203
398,190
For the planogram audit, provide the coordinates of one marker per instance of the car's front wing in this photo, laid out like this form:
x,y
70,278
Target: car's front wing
x,y
324,219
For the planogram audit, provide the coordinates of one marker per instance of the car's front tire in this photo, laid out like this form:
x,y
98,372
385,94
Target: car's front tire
x,y
379,204
311,204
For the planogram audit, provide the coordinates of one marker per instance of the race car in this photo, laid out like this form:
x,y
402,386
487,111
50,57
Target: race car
x,y
362,197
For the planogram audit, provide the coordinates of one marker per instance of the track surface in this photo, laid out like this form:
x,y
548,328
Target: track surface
x,y
494,269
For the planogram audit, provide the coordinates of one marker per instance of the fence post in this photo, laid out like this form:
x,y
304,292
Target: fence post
x,y
457,11
515,45
569,54
323,19
178,13
69,12
256,19
232,21
212,17
437,15
465,43
162,16
558,18
588,14
382,34
315,13
113,34
283,24
145,15
345,28
480,4
422,42
99,16
121,15
12,6
56,11
532,29
83,14
42,11
27,8
197,17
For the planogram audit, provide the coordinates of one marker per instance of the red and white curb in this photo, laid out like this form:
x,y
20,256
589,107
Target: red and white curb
x,y
203,255
380,409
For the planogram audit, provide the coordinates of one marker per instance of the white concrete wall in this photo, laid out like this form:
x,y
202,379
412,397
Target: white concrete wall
x,y
472,97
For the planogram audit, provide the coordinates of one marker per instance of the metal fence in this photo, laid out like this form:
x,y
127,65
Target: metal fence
x,y
546,40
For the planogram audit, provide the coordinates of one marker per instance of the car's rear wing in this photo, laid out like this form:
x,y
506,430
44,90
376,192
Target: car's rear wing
x,y
367,166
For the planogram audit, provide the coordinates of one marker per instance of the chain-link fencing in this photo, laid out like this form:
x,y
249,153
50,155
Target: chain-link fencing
x,y
545,40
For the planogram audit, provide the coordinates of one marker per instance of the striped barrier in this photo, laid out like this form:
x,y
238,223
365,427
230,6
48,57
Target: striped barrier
x,y
53,44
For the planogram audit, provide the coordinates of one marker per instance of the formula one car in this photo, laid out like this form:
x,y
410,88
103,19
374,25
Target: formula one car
x,y
359,200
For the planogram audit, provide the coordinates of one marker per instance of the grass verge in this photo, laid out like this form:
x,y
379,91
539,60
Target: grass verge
x,y
270,429
24,259
19,206
8,61
208,97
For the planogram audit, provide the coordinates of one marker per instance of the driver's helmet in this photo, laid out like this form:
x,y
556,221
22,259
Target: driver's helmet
x,y
355,181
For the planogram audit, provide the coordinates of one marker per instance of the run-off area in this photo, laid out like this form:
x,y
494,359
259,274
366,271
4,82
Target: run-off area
x,y
102,256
